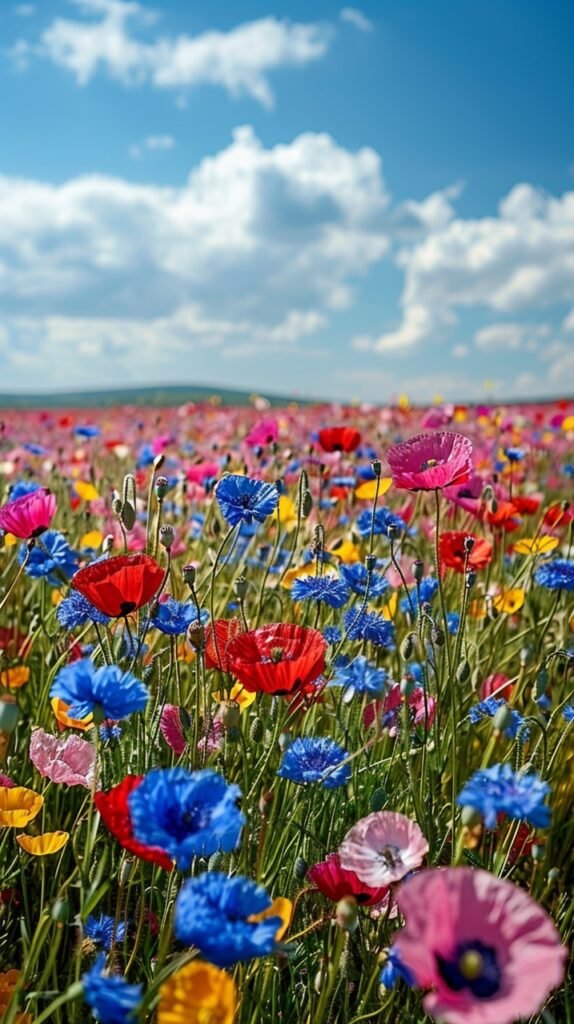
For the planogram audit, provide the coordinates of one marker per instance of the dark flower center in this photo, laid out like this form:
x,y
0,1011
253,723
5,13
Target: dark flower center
x,y
181,824
473,966
429,464
391,855
277,654
126,607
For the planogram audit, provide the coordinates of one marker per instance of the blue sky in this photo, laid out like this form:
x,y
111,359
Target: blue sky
x,y
342,201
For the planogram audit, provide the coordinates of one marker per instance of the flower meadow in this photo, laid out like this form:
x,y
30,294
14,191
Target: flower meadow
x,y
286,714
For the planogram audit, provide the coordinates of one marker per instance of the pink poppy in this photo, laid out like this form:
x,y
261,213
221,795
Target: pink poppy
x,y
334,882
70,761
383,847
30,515
264,432
429,462
421,712
172,728
6,782
202,471
488,952
439,416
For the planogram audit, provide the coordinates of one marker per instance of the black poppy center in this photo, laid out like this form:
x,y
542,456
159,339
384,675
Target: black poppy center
x,y
473,966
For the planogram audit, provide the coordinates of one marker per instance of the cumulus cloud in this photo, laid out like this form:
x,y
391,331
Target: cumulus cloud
x,y
511,336
517,261
110,38
353,16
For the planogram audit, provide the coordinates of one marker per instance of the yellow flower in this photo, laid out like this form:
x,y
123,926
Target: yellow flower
x,y
509,601
15,677
287,513
60,710
8,982
10,540
568,423
478,608
238,694
40,846
369,489
281,907
92,539
390,609
302,571
404,402
347,552
86,491
18,806
536,545
197,994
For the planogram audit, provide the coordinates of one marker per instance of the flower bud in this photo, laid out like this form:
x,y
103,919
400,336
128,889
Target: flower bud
x,y
418,569
166,536
189,572
215,862
470,579
117,507
256,730
553,875
463,672
378,799
306,504
538,851
407,686
347,914
502,719
196,635
408,646
240,587
376,467
300,868
370,563
161,486
60,911
393,531
437,635
126,871
468,544
229,712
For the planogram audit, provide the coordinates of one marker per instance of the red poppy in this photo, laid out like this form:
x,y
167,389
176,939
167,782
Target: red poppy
x,y
526,506
335,883
223,631
278,658
120,585
13,642
557,515
114,809
496,685
339,439
339,493
453,555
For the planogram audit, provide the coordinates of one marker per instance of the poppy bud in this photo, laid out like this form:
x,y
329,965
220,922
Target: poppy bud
x,y
376,467
538,851
188,573
161,486
494,506
437,636
418,569
229,714
265,801
306,504
393,531
407,686
408,646
468,544
347,914
256,730
553,875
240,587
166,536
541,682
108,543
196,635
117,506
378,799
370,563
463,672
502,719
60,911
300,868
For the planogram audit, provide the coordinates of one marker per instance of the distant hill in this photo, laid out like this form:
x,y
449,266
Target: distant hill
x,y
155,396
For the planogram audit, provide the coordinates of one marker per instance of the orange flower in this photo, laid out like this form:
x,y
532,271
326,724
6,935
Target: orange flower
x,y
40,846
15,677
61,709
198,993
18,806
281,907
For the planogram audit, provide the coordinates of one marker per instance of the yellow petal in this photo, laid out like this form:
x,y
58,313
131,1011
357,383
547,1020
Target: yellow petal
x,y
281,907
18,806
536,545
91,539
15,677
369,489
41,846
390,609
510,601
239,694
60,710
198,993
287,513
86,491
10,540
347,552
568,423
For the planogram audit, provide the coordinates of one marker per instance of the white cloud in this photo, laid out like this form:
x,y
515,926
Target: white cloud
x,y
353,16
152,142
568,322
460,351
520,260
239,60
511,336
24,10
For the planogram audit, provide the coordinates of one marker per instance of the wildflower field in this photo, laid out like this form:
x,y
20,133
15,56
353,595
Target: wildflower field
x,y
286,715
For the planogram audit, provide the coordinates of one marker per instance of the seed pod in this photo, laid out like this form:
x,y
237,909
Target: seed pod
x,y
393,531
437,636
468,544
502,719
553,875
306,504
376,467
300,868
166,536
370,563
161,487
215,862
378,799
408,646
256,730
188,572
418,569
463,672
240,587
196,635
347,914
117,507
60,911
229,713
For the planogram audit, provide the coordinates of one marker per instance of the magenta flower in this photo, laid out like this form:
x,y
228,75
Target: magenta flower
x,y
30,515
383,848
488,952
172,729
264,432
70,761
6,782
429,462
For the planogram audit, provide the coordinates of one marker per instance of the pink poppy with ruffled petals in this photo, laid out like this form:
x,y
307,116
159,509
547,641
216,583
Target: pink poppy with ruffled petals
x,y
383,847
488,952
70,761
30,515
171,727
429,462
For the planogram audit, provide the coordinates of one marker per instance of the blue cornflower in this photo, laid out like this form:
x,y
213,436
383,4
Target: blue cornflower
x,y
369,626
214,913
361,677
187,814
383,519
500,790
568,713
22,487
101,930
111,997
110,730
356,576
327,589
453,622
568,469
35,449
87,431
174,617
488,709
315,759
242,499
556,575
333,635
75,610
51,557
105,692
514,454
395,970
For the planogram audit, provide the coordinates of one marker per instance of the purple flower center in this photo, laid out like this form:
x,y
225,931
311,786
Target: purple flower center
x,y
474,966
